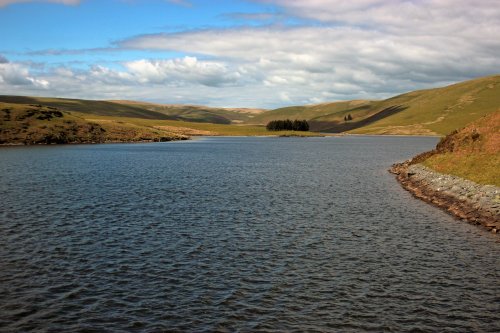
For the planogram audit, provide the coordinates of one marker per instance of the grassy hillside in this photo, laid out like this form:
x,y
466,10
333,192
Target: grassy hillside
x,y
196,113
41,124
190,128
44,124
309,111
140,110
440,110
425,112
472,152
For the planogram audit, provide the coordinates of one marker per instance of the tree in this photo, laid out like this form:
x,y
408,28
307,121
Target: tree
x,y
288,125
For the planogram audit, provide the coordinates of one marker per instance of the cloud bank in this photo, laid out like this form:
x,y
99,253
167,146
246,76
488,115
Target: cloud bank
x,y
344,50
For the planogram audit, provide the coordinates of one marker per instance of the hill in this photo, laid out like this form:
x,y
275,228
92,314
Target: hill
x,y
42,124
22,123
310,112
196,113
141,110
472,152
461,174
436,111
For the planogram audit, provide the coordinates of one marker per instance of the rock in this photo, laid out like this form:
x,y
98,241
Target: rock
x,y
478,204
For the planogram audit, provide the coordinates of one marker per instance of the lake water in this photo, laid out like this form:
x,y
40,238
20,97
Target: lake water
x,y
235,234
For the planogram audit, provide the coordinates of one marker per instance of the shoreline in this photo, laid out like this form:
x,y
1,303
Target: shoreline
x,y
465,200
191,137
180,138
20,144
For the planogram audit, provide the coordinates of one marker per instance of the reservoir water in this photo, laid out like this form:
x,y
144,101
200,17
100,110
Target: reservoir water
x,y
235,235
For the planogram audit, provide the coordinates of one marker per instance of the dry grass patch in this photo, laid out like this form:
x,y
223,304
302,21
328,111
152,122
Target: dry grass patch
x,y
472,152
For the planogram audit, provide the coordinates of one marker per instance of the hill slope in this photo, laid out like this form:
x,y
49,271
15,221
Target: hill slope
x,y
140,110
472,152
41,124
425,112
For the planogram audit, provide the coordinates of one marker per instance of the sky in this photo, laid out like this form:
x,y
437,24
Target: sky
x,y
261,53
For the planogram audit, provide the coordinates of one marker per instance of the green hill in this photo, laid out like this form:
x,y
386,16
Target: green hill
x,y
309,111
140,110
42,124
436,111
425,112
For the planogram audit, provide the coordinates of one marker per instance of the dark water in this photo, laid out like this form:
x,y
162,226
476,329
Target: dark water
x,y
235,234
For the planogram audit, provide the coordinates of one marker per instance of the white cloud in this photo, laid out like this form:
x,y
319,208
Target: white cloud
x,y
17,75
366,48
187,69
64,2
362,49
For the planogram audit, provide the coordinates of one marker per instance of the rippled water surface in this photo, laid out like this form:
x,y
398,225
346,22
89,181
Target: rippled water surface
x,y
235,234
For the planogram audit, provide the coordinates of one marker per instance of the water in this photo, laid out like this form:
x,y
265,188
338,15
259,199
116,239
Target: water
x,y
235,234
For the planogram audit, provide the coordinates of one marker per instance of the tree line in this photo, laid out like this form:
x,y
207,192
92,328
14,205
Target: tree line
x,y
288,125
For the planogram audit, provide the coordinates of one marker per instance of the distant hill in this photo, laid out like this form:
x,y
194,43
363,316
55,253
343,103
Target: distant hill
x,y
436,111
424,112
140,110
196,113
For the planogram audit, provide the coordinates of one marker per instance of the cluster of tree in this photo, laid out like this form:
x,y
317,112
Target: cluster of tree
x,y
288,125
348,117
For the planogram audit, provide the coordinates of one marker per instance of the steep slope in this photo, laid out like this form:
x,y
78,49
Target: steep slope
x,y
440,110
425,112
461,175
472,152
309,112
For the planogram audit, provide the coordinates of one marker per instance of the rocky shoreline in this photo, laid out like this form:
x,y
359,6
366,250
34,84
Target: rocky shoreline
x,y
464,199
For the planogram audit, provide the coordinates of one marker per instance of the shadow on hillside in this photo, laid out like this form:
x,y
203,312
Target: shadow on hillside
x,y
106,108
101,108
339,127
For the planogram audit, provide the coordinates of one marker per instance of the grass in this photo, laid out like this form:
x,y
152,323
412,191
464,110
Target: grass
x,y
140,110
472,152
426,112
32,124
337,110
191,128
436,111
442,110
39,124
480,168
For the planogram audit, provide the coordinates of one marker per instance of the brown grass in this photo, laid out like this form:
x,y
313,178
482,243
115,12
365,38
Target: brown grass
x,y
472,152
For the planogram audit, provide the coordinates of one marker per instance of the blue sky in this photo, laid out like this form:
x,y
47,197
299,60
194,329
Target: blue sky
x,y
262,53
96,24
